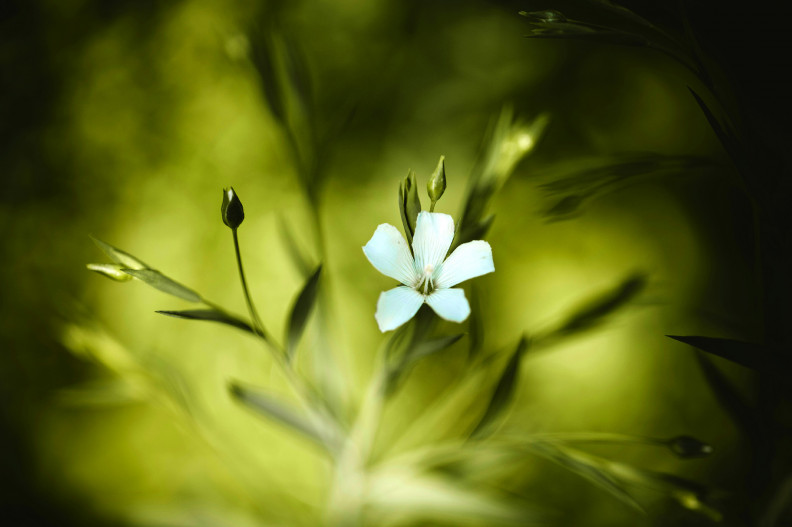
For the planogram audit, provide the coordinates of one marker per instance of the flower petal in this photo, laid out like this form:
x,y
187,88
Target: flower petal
x,y
389,254
449,304
434,232
469,260
397,306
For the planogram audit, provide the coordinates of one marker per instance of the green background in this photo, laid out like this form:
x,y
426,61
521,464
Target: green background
x,y
125,119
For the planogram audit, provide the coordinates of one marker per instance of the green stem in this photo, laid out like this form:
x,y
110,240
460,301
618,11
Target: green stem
x,y
258,327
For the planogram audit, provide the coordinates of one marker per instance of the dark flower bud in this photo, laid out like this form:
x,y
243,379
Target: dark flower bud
x,y
231,210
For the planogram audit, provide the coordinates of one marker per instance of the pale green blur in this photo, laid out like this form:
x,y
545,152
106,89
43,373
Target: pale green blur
x,y
167,110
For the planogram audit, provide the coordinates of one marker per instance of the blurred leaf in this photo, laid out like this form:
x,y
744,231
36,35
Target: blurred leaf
x,y
553,24
688,493
300,260
165,284
300,312
417,352
566,208
755,356
111,271
475,323
730,398
103,392
623,12
585,466
297,72
263,58
696,53
475,232
432,346
595,311
118,256
400,496
275,410
727,138
582,176
504,390
212,315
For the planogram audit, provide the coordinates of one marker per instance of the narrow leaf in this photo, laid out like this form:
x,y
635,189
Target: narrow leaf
x,y
275,410
504,391
159,281
118,256
586,467
730,399
755,356
263,58
725,136
301,310
432,346
595,311
417,352
211,315
298,257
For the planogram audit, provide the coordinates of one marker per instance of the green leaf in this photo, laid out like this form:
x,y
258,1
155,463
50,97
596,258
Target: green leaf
x,y
211,315
159,281
729,397
263,58
275,410
553,24
726,136
585,466
409,205
504,391
300,312
300,260
755,356
118,256
566,208
418,351
111,271
475,324
432,346
595,311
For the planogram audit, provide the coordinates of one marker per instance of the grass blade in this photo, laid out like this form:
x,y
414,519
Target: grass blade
x,y
118,256
595,311
165,284
504,391
754,356
585,466
301,310
211,315
275,410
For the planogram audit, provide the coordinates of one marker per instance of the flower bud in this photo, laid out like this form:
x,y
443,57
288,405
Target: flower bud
x,y
437,183
231,210
409,204
111,271
688,447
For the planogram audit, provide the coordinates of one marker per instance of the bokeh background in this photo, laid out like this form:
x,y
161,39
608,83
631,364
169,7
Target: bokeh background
x,y
124,119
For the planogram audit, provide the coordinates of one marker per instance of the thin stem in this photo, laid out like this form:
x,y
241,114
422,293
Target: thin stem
x,y
431,207
258,327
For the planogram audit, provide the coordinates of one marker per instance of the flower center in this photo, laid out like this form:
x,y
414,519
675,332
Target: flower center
x,y
425,281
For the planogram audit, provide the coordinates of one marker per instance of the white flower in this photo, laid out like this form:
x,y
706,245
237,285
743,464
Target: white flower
x,y
427,277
